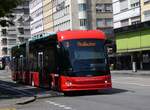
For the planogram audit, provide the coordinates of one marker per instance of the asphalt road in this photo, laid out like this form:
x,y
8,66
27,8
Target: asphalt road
x,y
128,93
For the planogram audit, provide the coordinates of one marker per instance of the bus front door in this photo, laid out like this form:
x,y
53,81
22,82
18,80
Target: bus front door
x,y
40,69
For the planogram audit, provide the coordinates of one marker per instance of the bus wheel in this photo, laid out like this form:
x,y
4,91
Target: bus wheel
x,y
68,93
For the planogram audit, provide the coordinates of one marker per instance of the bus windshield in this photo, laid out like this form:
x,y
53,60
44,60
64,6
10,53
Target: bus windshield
x,y
86,57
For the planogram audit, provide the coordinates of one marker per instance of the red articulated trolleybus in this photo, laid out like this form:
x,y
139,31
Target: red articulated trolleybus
x,y
64,61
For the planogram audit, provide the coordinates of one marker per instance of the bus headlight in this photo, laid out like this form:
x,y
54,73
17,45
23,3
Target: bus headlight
x,y
68,83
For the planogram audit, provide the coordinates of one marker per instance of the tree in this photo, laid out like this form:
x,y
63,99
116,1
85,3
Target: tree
x,y
6,7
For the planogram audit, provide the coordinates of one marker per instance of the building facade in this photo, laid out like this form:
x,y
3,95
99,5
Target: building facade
x,y
47,16
36,14
126,12
18,31
59,15
145,10
132,34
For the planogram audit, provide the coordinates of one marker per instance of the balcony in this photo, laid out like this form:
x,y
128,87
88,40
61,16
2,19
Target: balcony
x,y
20,35
11,42
4,42
2,36
23,36
12,32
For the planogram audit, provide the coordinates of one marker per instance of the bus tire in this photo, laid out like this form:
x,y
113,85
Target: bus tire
x,y
68,93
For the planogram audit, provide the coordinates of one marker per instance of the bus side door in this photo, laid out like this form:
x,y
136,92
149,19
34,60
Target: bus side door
x,y
40,69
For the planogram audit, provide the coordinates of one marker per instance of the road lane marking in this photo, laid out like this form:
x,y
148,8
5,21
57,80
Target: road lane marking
x,y
7,108
5,77
60,105
137,84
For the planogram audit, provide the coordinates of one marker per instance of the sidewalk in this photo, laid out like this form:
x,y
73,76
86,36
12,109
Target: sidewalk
x,y
130,72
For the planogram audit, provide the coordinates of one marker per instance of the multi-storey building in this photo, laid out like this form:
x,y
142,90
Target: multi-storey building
x,y
126,12
36,14
132,33
145,10
47,16
18,31
61,15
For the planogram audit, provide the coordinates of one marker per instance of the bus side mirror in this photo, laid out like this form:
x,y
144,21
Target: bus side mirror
x,y
58,48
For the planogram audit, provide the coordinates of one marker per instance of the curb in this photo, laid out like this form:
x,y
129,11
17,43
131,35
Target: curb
x,y
130,73
42,96
26,101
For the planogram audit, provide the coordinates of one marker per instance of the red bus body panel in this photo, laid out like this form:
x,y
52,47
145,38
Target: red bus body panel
x,y
14,75
66,83
79,34
85,83
35,78
20,76
26,77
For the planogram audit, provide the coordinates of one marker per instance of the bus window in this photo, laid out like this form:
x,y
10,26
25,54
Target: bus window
x,y
86,56
50,60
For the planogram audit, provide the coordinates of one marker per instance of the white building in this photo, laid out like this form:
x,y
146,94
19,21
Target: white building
x,y
126,12
17,32
36,14
71,15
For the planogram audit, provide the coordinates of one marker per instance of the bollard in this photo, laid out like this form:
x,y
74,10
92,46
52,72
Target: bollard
x,y
134,69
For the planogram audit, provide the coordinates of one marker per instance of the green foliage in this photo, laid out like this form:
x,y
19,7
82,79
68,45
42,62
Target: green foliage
x,y
6,7
4,22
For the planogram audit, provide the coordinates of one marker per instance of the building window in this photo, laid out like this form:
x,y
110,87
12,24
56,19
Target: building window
x,y
146,1
34,3
21,30
146,58
26,3
108,7
4,32
83,22
147,15
123,5
137,4
60,6
125,22
99,8
109,22
11,41
37,13
4,41
82,7
135,20
26,11
21,39
103,8
105,22
100,22
108,31
61,13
